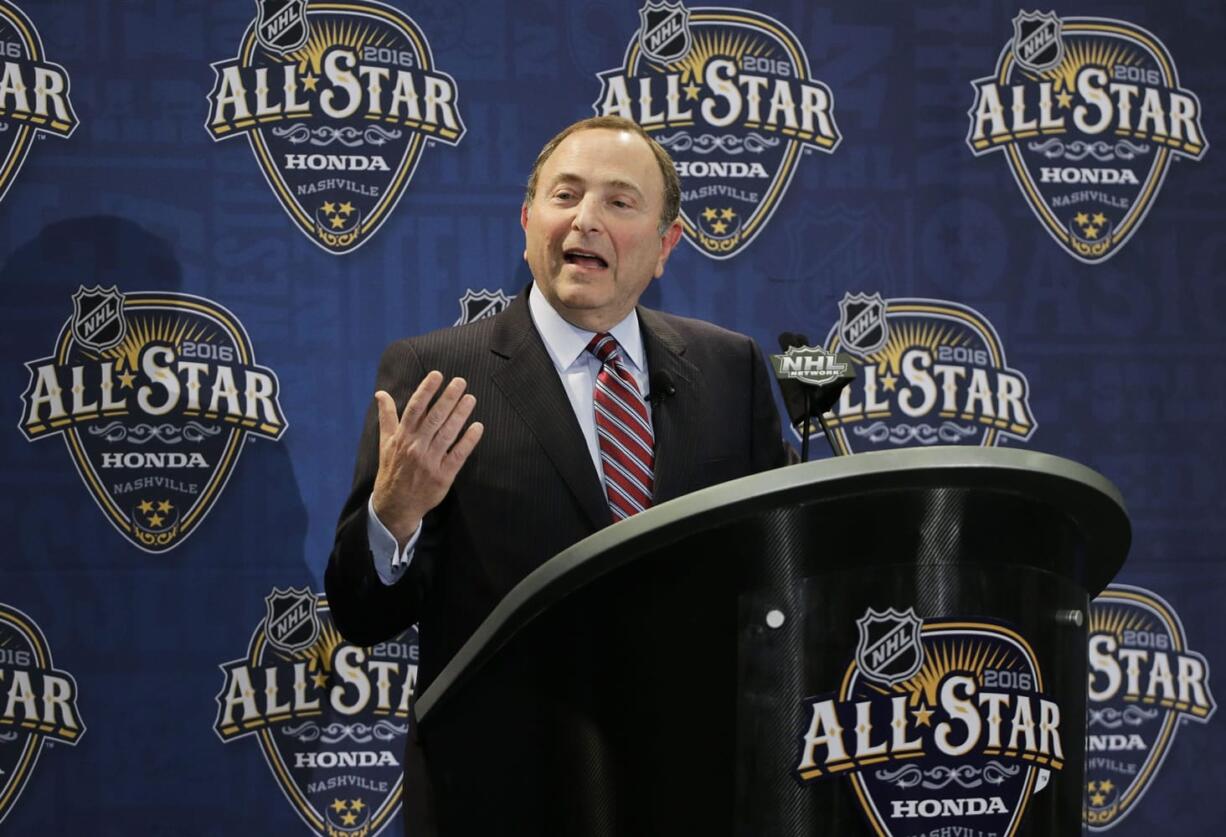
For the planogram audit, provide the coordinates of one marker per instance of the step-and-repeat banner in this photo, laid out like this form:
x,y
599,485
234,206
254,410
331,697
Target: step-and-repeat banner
x,y
215,215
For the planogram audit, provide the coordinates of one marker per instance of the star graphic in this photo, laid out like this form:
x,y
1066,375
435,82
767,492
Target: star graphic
x,y
126,379
320,679
719,227
1091,232
1097,799
1099,218
156,520
164,506
708,214
923,716
328,207
1081,218
337,222
345,208
1065,100
1106,786
145,506
691,91
357,804
349,819
889,382
309,81
1092,786
338,805
727,214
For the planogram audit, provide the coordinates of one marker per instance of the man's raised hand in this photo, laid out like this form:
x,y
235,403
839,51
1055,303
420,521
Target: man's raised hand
x,y
421,452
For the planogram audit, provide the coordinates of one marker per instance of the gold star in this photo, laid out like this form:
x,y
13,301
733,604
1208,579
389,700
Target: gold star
x,y
320,679
708,214
126,379
1099,218
337,222
1081,218
727,214
691,91
145,506
719,227
338,805
1092,786
328,207
889,382
164,506
1097,799
349,819
1065,100
309,81
1091,232
1106,786
345,208
923,716
357,804
155,520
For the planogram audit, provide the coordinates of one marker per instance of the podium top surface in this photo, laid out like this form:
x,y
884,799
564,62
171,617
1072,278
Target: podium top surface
x,y
1087,498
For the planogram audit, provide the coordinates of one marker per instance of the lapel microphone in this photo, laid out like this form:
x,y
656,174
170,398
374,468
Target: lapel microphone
x,y
660,387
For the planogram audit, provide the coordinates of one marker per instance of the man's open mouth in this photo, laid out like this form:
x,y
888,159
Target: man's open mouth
x,y
583,258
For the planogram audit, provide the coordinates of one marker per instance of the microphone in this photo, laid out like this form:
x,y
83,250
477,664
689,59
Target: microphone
x,y
660,387
810,379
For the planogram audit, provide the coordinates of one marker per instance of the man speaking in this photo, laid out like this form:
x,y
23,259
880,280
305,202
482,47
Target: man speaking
x,y
493,446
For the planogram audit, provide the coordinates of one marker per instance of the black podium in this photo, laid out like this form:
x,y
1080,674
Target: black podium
x,y
888,643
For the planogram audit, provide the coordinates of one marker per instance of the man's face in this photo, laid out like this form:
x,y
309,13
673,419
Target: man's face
x,y
591,233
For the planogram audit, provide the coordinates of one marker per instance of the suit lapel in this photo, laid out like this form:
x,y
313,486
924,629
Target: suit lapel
x,y
529,381
675,419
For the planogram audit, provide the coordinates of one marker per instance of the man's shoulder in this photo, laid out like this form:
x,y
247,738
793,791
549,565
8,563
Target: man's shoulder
x,y
691,330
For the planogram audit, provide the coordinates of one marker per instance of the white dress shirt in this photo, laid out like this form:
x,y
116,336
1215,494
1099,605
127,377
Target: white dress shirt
x,y
577,369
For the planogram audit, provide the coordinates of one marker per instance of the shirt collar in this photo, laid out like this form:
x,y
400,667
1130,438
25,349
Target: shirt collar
x,y
566,343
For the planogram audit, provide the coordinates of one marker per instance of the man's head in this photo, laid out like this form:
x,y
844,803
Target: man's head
x,y
599,219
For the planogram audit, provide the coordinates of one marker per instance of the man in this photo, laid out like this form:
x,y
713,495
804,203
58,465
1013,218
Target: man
x,y
445,519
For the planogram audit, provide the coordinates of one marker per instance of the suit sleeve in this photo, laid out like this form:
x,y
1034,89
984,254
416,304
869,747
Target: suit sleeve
x,y
769,450
366,609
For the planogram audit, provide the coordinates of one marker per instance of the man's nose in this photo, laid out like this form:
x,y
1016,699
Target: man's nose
x,y
587,215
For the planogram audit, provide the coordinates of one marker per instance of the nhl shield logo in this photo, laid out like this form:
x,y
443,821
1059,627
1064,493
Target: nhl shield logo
x,y
1145,684
685,77
337,152
664,31
97,321
1036,40
154,395
281,25
862,324
889,650
330,717
292,622
33,94
477,305
1089,113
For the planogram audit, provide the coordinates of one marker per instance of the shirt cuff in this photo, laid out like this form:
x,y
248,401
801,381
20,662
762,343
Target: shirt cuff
x,y
390,560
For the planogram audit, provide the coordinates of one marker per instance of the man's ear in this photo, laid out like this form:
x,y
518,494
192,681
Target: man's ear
x,y
523,224
667,242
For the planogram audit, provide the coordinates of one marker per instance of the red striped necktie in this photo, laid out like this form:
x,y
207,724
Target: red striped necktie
x,y
623,428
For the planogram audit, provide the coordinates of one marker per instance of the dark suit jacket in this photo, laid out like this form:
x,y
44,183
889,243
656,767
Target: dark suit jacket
x,y
529,489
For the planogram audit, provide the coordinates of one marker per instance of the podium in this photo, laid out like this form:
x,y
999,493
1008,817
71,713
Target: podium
x,y
882,644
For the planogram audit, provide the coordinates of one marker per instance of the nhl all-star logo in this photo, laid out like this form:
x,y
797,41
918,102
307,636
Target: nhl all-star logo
x,y
928,371
1089,113
889,650
339,122
292,623
331,717
1145,684
664,31
478,305
281,25
39,706
728,92
154,395
33,93
893,742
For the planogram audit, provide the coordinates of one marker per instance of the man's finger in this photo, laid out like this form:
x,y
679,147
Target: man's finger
x,y
458,455
454,423
442,408
415,409
387,414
